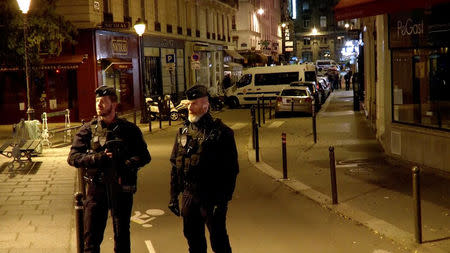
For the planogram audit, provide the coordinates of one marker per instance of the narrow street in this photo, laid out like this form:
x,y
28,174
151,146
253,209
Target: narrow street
x,y
264,216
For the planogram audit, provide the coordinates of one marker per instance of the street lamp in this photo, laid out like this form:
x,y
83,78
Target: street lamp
x,y
24,6
139,27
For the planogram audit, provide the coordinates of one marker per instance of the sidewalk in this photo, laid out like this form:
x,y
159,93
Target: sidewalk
x,y
36,199
373,189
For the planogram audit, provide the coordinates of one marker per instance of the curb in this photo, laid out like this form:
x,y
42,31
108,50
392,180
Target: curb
x,y
376,225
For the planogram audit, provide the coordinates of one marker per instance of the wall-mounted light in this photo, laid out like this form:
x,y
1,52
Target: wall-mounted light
x,y
260,11
314,31
347,25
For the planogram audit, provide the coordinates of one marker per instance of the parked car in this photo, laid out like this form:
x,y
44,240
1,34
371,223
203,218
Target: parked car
x,y
312,86
294,99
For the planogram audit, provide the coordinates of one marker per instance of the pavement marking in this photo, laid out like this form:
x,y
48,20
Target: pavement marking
x,y
238,126
144,219
150,246
276,124
350,165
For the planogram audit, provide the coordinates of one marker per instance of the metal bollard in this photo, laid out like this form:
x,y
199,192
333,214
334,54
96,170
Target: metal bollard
x,y
134,116
252,113
79,212
149,125
263,110
270,108
284,154
256,143
333,176
314,126
417,204
259,112
292,106
170,119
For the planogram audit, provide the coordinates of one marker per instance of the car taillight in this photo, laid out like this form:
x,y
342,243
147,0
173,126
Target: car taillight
x,y
279,99
308,100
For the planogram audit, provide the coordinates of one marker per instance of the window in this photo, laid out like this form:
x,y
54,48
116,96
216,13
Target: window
x,y
341,23
244,81
305,6
306,41
323,21
294,92
306,23
276,78
323,40
307,56
310,76
420,87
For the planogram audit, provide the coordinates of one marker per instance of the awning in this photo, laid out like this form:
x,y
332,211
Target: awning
x,y
64,60
348,9
234,54
58,62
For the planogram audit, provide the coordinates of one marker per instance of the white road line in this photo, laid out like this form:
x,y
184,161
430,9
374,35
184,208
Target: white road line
x,y
150,246
238,126
276,124
350,165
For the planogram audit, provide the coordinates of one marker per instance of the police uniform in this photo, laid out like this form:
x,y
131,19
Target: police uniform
x,y
111,182
204,169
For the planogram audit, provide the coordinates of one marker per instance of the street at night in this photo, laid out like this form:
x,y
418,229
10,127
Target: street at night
x,y
224,126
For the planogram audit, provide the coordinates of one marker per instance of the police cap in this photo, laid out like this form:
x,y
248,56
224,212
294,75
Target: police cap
x,y
196,91
103,91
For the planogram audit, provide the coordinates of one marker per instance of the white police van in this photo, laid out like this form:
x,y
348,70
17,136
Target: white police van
x,y
268,82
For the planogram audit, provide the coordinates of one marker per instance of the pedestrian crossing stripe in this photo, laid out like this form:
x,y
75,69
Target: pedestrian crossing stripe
x,y
238,126
276,124
150,247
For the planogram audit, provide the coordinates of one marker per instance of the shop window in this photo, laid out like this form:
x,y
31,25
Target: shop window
x,y
420,87
118,73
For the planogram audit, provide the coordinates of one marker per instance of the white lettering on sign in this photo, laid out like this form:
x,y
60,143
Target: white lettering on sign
x,y
409,28
119,46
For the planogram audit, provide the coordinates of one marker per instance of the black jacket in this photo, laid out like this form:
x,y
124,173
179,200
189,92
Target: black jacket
x,y
135,153
214,178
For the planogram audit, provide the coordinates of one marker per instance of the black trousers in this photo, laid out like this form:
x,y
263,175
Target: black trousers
x,y
96,215
195,216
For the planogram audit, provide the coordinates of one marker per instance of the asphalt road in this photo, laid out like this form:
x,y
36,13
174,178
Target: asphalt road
x,y
264,216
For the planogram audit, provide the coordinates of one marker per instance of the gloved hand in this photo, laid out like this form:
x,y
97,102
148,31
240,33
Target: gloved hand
x,y
174,207
100,159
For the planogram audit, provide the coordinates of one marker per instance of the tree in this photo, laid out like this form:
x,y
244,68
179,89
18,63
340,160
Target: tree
x,y
47,32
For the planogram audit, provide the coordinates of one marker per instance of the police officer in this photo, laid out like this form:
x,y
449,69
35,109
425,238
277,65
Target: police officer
x,y
110,150
204,168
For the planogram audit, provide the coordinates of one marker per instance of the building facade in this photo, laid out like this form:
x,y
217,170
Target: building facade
x,y
406,63
183,45
318,35
257,29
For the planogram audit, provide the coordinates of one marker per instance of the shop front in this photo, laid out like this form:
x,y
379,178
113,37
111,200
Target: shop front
x,y
206,64
53,87
164,66
118,66
420,88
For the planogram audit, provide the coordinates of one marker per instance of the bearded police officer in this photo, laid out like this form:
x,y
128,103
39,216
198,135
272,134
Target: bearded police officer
x,y
204,168
110,150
